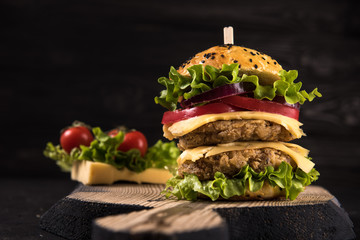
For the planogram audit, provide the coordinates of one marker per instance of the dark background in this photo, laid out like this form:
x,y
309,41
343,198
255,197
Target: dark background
x,y
98,62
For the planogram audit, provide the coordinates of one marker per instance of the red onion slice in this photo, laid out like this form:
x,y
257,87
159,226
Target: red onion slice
x,y
217,93
280,99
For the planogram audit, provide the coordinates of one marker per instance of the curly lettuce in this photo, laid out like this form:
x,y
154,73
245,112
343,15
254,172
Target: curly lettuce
x,y
62,158
204,78
104,149
293,182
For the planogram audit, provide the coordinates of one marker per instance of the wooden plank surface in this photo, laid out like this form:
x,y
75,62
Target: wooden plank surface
x,y
145,214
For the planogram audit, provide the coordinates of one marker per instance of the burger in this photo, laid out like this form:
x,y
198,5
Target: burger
x,y
234,111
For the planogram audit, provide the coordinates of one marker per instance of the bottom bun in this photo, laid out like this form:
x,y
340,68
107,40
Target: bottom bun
x,y
91,173
265,193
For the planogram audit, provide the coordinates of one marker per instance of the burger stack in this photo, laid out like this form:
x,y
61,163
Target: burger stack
x,y
234,111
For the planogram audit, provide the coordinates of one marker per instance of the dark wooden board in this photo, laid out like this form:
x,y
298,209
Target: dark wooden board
x,y
131,211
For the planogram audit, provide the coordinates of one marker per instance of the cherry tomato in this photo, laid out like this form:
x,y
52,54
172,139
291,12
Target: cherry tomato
x,y
262,106
113,133
133,139
73,137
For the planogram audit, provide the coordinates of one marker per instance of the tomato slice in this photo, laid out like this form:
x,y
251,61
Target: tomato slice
x,y
231,104
262,106
178,115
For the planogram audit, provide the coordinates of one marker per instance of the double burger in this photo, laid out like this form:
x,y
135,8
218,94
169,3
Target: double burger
x,y
234,111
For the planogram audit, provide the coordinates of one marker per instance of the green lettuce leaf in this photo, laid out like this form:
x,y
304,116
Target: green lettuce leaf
x,y
292,182
104,149
62,158
290,90
204,78
163,155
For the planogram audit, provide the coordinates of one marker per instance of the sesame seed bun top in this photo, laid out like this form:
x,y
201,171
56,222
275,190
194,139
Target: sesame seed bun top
x,y
251,62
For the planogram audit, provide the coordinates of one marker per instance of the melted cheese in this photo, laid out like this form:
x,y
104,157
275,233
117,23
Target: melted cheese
x,y
181,128
294,151
90,173
302,151
193,154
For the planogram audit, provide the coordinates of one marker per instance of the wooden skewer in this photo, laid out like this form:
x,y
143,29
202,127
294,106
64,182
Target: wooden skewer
x,y
228,35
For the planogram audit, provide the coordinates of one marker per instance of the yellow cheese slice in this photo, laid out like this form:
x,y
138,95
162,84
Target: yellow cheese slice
x,y
193,154
302,151
90,173
181,128
295,152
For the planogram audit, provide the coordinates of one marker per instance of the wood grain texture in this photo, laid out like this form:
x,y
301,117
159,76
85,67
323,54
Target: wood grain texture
x,y
315,214
182,221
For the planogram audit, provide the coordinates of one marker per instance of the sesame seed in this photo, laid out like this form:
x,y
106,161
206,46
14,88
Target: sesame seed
x,y
250,60
257,53
263,58
252,53
222,55
256,66
245,49
202,61
207,55
235,61
275,63
213,57
268,63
